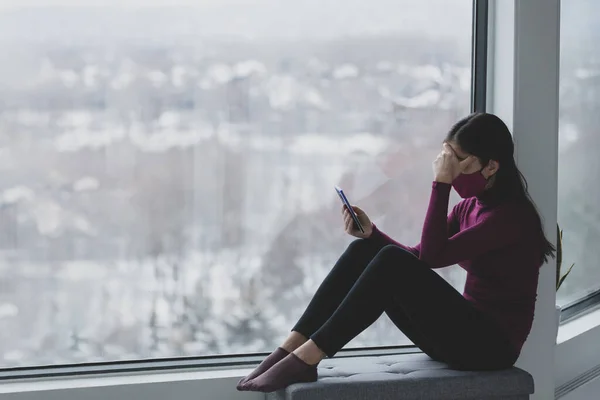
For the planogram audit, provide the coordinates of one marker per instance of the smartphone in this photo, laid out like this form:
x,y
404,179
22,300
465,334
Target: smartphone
x,y
340,193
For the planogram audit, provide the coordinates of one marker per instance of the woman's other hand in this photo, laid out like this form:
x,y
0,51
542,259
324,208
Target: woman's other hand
x,y
351,228
447,166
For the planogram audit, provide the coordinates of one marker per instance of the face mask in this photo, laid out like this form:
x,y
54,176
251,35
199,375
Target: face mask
x,y
469,185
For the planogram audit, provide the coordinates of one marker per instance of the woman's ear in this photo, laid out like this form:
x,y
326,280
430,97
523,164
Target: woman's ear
x,y
492,167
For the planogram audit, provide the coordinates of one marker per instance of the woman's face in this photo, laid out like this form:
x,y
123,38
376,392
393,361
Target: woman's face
x,y
475,165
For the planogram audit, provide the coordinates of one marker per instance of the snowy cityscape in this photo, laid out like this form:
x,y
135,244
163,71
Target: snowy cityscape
x,y
171,193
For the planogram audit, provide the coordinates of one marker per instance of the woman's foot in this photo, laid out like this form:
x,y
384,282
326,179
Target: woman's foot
x,y
299,366
288,371
272,359
293,341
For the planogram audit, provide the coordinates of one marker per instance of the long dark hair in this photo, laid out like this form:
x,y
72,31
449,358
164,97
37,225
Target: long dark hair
x,y
488,138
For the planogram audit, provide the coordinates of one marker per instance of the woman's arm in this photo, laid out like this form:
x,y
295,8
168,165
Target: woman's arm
x,y
495,230
452,227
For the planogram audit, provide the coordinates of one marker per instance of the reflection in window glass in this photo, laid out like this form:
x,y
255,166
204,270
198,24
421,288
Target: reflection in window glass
x,y
579,141
167,170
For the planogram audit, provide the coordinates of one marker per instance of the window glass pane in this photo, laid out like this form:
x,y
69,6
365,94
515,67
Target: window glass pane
x,y
578,195
167,168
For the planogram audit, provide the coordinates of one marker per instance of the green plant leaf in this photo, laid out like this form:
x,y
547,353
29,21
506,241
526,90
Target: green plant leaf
x,y
565,276
559,236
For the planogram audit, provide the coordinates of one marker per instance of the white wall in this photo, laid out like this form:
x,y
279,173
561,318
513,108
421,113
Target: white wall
x,y
589,391
524,85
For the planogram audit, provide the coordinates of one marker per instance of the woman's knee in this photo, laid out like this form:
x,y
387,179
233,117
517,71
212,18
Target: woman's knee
x,y
359,246
397,260
388,258
357,256
396,252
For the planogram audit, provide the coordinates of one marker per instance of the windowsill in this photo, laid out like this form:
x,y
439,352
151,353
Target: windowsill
x,y
200,377
578,326
73,382
577,348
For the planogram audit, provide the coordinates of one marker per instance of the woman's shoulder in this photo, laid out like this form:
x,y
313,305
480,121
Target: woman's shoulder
x,y
508,212
517,213
511,211
465,204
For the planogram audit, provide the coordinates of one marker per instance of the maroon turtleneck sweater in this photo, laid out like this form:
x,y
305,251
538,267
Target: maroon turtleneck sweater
x,y
497,243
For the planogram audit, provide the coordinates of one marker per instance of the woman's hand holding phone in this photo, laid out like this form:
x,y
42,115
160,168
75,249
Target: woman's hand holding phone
x,y
351,228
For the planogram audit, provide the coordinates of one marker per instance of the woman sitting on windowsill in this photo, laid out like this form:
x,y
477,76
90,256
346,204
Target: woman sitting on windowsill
x,y
495,234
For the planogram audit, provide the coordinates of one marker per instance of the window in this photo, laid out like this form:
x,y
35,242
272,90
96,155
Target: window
x,y
167,170
578,194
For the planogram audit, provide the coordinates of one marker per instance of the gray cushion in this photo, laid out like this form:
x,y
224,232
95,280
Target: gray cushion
x,y
406,377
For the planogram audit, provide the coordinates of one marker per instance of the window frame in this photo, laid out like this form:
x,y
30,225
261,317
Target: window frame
x,y
586,301
479,55
479,77
589,302
175,363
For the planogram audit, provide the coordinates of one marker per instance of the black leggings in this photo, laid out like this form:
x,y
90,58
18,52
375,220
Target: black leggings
x,y
369,280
